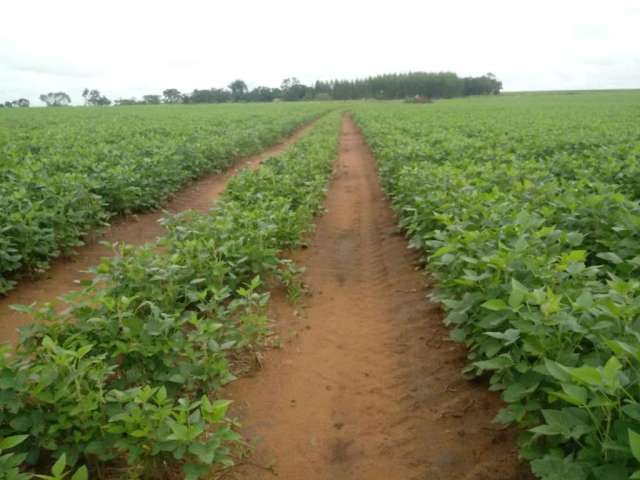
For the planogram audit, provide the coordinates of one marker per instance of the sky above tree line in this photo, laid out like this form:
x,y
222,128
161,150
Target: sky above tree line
x,y
131,48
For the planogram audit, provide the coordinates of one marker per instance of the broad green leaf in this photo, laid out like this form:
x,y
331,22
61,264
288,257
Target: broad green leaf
x,y
578,395
634,444
81,474
588,375
59,466
557,370
442,250
575,238
495,304
518,293
509,336
612,369
585,300
610,257
10,442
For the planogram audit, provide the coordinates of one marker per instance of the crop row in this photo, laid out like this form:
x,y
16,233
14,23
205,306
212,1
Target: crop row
x,y
127,376
66,171
536,264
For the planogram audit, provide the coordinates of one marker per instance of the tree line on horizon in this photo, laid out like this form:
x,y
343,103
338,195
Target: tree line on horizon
x,y
391,86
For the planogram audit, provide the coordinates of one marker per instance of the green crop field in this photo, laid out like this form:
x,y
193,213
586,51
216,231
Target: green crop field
x,y
526,208
65,171
127,372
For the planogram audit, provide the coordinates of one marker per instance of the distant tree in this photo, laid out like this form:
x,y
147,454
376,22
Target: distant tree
x,y
495,84
213,95
93,97
293,90
55,99
238,89
20,103
172,95
263,94
126,101
485,85
289,82
322,88
151,99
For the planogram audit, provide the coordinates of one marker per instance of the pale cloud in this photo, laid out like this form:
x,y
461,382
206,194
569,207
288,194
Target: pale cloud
x,y
133,47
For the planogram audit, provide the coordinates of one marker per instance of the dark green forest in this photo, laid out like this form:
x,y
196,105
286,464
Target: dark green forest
x,y
404,85
384,87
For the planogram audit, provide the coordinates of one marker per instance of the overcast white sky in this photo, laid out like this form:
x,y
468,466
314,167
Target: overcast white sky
x,y
134,47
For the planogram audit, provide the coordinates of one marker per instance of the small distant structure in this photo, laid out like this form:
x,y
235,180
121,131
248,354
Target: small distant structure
x,y
422,99
419,99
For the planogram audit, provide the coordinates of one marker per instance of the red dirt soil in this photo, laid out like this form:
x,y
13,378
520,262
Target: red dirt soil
x,y
368,384
62,276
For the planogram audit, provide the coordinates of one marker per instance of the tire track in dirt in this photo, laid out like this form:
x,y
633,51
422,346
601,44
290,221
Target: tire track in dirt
x,y
368,385
63,274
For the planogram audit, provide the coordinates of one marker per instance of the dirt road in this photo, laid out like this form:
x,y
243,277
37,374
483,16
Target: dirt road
x,y
367,386
62,277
